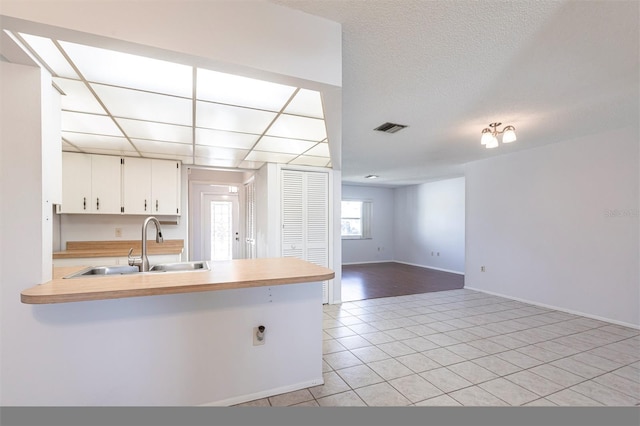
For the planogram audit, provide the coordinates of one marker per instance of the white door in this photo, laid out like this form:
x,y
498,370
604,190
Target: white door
x,y
221,238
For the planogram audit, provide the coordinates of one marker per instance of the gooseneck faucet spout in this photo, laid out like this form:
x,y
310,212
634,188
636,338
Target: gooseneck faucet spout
x,y
142,262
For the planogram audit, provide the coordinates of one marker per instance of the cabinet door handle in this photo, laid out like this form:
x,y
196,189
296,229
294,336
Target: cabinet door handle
x,y
156,205
145,205
97,203
84,203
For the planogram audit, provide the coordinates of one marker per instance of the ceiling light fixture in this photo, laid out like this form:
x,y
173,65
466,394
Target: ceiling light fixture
x,y
490,135
371,177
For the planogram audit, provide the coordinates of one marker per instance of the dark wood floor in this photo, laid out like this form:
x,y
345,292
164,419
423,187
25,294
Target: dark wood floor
x,y
373,280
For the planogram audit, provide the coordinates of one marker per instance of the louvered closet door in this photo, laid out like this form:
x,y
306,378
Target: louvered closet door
x,y
292,214
305,218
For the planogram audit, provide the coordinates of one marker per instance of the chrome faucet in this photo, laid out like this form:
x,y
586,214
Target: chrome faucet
x,y
142,262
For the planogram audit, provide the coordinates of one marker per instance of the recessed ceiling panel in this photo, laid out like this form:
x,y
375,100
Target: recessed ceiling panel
x,y
125,70
307,103
307,160
216,162
140,129
220,153
186,159
251,164
77,97
225,139
129,103
235,119
287,146
51,55
294,127
270,157
236,90
159,147
88,123
86,141
320,150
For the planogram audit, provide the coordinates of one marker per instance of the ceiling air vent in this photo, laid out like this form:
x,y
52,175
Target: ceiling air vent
x,y
390,127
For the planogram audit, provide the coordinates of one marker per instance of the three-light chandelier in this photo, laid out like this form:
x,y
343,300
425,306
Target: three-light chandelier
x,y
490,135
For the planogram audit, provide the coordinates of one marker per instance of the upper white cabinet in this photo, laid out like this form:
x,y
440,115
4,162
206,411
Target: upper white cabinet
x,y
114,185
136,193
90,184
165,186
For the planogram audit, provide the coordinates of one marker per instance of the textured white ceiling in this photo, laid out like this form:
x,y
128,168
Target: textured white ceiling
x,y
555,70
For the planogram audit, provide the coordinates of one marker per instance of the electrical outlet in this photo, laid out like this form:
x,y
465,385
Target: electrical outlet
x,y
482,269
431,253
257,342
438,254
118,232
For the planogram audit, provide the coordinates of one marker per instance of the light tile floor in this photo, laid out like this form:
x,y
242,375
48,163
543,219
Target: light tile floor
x,y
463,347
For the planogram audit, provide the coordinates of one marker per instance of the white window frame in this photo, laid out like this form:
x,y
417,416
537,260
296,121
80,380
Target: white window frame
x,y
366,216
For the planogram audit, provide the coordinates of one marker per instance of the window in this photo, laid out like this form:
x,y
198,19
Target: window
x,y
356,219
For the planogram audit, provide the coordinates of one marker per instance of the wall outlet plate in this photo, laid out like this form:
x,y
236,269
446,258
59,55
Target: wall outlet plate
x,y
257,342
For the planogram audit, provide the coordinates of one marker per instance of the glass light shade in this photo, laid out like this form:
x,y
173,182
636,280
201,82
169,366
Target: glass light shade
x,y
509,134
493,143
486,136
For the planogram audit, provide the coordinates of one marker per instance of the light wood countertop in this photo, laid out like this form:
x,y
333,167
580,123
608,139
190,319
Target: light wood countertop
x,y
117,248
224,275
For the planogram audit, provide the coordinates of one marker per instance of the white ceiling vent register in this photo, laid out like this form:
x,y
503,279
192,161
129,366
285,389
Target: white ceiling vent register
x,y
390,127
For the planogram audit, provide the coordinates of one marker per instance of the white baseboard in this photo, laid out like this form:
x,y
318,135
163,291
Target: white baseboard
x,y
430,267
558,308
367,262
263,394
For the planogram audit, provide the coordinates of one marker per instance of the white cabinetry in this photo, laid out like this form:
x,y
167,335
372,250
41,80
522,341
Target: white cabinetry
x,y
165,186
90,184
151,186
305,218
115,185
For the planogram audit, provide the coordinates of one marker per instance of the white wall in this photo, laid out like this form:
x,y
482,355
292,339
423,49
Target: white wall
x,y
265,36
380,248
160,350
558,225
430,219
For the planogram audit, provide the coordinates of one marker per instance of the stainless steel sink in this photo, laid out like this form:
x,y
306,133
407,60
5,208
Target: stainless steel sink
x,y
104,270
100,271
181,267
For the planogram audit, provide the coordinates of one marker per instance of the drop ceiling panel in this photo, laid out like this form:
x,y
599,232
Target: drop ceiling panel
x,y
286,146
225,139
157,147
294,127
186,159
236,90
126,70
87,141
307,160
129,103
251,164
220,153
307,103
113,152
88,123
320,150
215,162
77,97
51,55
140,129
235,119
270,157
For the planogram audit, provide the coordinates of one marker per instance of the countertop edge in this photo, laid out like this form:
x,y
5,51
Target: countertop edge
x,y
54,291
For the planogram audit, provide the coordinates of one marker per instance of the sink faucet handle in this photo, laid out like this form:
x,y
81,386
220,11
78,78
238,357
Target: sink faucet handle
x,y
133,260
